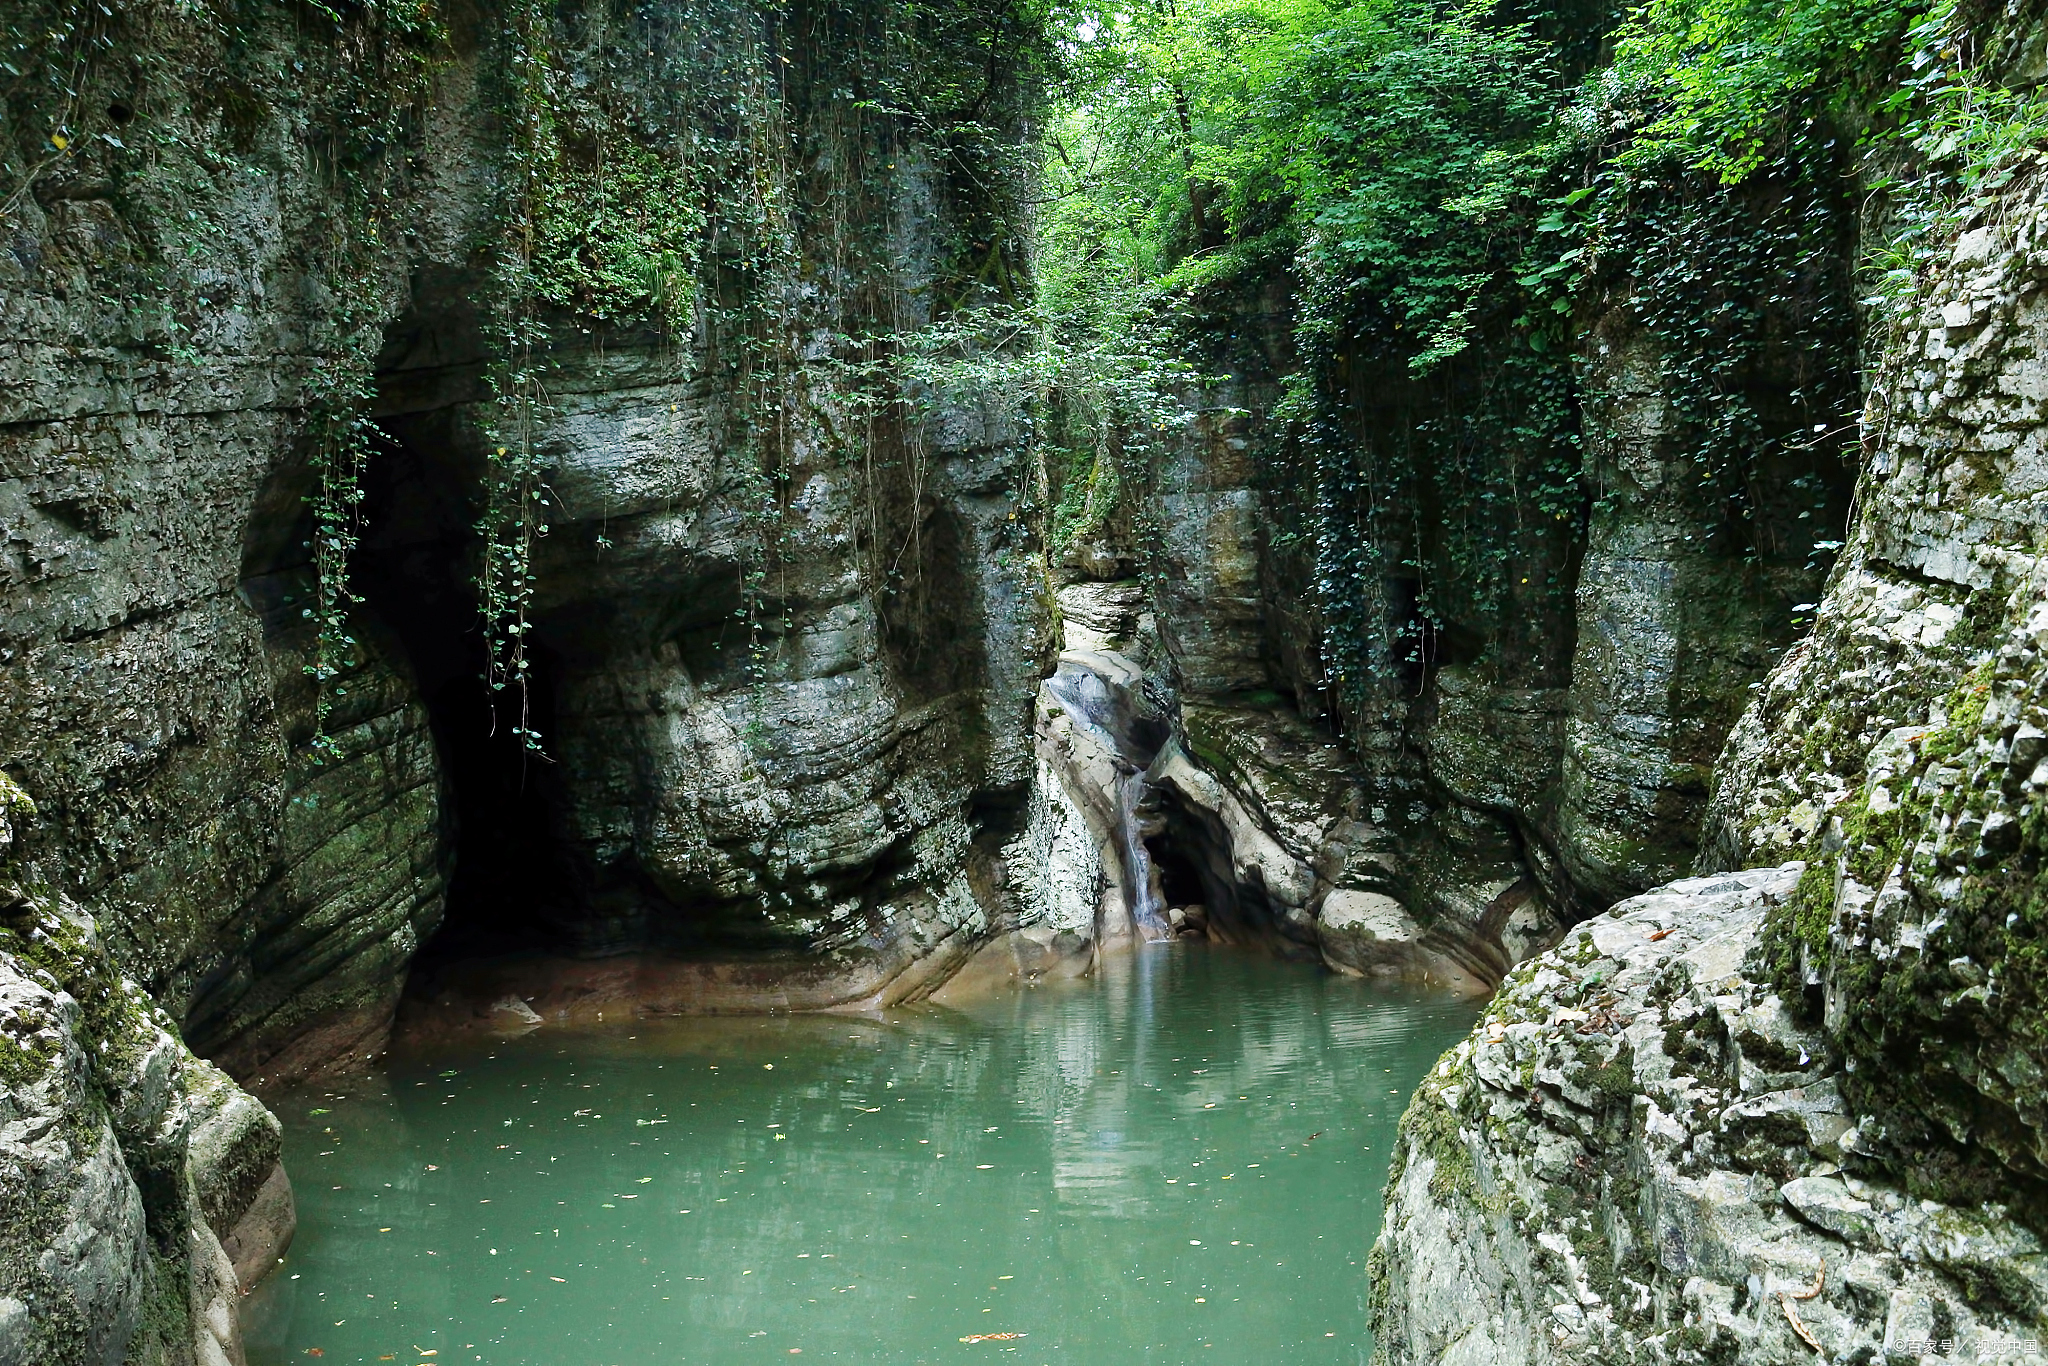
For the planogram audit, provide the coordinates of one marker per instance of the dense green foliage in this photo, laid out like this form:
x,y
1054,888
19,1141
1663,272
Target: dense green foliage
x,y
1451,197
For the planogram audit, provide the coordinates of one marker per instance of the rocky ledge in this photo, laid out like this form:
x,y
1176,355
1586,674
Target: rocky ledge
x,y
1641,1155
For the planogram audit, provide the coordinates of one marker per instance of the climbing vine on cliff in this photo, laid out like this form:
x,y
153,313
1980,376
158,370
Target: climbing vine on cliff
x,y
1385,162
147,119
1463,204
728,202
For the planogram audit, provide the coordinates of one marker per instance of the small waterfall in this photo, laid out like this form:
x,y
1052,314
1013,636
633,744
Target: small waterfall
x,y
1103,694
1148,913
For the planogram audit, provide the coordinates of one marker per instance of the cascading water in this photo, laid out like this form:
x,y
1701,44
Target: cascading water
x,y
1141,894
1104,694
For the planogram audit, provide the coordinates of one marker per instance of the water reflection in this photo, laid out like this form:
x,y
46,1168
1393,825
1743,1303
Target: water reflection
x,y
1179,1161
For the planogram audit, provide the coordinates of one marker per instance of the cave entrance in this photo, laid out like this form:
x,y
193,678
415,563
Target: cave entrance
x,y
415,571
1206,897
1192,865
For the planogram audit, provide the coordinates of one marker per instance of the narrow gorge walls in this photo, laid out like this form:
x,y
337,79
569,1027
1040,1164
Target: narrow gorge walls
x,y
1789,1113
518,510
316,320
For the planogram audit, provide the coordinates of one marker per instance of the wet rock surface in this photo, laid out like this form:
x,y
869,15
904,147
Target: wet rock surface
x,y
1640,1155
124,1159
1156,814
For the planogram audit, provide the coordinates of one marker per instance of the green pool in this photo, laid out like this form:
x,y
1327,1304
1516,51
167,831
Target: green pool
x,y
1179,1161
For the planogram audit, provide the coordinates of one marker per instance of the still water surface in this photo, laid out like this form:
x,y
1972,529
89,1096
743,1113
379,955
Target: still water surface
x,y
1177,1162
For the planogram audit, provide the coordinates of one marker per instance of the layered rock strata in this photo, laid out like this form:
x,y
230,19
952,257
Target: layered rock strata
x,y
783,671
1839,1060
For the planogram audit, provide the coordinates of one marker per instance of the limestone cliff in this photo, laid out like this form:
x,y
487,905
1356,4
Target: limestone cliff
x,y
782,629
1796,1113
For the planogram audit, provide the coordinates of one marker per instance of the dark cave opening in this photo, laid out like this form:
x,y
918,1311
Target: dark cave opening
x,y
415,572
1194,875
1180,883
1190,853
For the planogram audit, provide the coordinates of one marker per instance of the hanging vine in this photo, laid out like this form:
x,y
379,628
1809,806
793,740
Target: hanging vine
x,y
386,63
515,496
336,396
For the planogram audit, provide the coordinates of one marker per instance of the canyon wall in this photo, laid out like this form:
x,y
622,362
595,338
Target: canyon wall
x,y
786,623
782,660
1795,1112
1518,765
784,634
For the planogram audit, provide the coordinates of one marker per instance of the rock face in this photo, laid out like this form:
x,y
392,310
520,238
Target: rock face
x,y
1642,1156
1543,755
126,1163
1160,809
1898,748
783,629
1676,617
1662,1129
787,623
